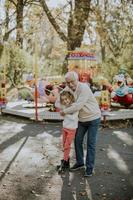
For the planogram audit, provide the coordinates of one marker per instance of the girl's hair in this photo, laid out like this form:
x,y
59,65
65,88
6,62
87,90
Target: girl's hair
x,y
68,95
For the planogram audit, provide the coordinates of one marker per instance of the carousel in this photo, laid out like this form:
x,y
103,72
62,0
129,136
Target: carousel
x,y
122,90
36,98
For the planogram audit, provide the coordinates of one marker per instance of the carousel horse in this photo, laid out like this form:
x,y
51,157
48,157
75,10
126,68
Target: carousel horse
x,y
123,93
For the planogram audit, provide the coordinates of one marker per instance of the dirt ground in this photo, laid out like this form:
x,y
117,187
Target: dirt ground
x,y
30,151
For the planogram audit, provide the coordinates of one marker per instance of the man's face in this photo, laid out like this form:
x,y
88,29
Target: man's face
x,y
71,83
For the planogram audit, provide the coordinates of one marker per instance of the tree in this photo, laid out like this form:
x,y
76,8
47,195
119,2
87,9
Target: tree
x,y
114,30
78,16
18,63
76,23
19,21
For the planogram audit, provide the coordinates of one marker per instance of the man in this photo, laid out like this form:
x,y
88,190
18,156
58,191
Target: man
x,y
89,119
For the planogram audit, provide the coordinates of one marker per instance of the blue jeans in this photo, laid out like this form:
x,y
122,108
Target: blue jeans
x,y
91,128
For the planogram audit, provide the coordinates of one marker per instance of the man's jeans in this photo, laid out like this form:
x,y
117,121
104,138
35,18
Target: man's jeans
x,y
91,128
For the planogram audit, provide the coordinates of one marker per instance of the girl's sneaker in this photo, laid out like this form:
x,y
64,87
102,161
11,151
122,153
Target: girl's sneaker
x,y
63,167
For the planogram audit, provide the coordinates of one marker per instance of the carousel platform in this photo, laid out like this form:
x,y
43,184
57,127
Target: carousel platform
x,y
27,110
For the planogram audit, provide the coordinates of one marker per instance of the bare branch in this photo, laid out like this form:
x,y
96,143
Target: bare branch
x,y
52,21
4,20
13,2
6,36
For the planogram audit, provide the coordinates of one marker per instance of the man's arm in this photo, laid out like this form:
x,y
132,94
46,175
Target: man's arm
x,y
80,102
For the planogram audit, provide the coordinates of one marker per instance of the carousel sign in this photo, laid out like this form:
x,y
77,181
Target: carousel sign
x,y
81,56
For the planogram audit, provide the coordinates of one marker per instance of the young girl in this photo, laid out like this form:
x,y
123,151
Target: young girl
x,y
70,124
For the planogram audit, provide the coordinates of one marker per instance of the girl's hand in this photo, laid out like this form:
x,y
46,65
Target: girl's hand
x,y
62,113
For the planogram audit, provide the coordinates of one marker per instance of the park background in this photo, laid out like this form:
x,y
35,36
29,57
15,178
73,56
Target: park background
x,y
49,30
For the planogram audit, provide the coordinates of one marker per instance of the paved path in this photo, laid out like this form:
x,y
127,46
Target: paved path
x,y
30,151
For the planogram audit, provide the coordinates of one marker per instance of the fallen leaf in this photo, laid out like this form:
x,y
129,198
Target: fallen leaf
x,y
82,193
33,192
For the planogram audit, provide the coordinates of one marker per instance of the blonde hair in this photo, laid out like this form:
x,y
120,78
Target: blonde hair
x,y
68,95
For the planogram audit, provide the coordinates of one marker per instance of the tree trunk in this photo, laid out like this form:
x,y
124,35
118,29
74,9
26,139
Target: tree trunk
x,y
7,16
1,48
19,19
6,28
77,23
1,43
102,51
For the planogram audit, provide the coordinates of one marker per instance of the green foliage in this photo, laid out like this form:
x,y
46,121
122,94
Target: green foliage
x,y
109,30
18,64
114,26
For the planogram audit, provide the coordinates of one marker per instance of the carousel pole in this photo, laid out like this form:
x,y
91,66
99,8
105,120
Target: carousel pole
x,y
3,81
6,59
85,64
36,77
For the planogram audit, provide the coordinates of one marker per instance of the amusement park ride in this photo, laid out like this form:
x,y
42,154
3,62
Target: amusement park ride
x,y
2,94
83,63
123,93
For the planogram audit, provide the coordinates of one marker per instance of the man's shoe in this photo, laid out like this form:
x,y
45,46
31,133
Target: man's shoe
x,y
76,167
88,175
